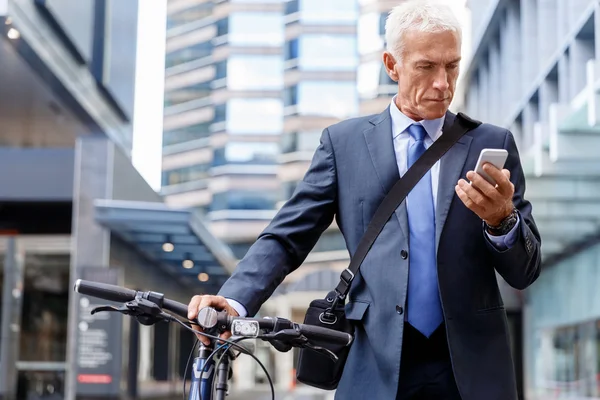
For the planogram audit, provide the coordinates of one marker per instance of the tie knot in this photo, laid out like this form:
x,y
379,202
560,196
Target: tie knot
x,y
417,131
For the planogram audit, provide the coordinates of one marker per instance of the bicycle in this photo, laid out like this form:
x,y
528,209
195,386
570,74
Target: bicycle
x,y
211,368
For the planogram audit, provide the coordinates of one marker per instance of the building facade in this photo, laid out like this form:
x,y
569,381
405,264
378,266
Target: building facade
x,y
73,206
535,71
224,113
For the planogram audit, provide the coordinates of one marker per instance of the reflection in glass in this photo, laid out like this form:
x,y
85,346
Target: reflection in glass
x,y
251,116
245,200
187,54
568,362
249,153
336,99
328,12
193,132
185,174
255,29
368,33
252,72
41,385
190,14
327,52
45,304
300,141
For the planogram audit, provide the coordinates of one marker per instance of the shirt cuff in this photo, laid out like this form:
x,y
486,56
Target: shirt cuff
x,y
238,307
507,241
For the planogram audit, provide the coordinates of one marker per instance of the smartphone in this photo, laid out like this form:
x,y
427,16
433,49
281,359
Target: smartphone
x,y
496,157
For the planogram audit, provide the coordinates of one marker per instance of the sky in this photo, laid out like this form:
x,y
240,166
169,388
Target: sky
x,y
148,112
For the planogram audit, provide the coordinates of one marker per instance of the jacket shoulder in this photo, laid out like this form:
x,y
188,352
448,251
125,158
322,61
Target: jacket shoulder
x,y
350,127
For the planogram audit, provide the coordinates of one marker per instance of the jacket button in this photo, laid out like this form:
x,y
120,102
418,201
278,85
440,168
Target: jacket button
x,y
404,254
399,310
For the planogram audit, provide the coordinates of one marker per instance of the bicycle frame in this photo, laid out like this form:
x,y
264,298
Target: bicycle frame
x,y
202,382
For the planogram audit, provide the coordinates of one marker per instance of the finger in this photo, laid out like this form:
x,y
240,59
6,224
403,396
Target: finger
x,y
202,338
467,201
504,184
475,195
217,302
225,335
481,184
193,307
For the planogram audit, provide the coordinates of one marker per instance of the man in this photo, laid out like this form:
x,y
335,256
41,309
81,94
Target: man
x,y
430,321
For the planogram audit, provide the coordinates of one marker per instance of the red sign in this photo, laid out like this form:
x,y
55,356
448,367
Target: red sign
x,y
89,378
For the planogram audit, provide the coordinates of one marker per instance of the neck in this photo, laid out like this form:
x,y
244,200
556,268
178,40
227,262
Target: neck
x,y
407,110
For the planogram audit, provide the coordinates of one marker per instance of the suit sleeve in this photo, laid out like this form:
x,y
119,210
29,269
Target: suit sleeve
x,y
520,264
285,243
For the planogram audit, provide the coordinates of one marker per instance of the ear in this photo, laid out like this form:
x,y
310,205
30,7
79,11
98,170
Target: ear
x,y
389,61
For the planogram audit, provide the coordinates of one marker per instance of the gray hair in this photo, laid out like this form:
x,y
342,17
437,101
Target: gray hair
x,y
419,15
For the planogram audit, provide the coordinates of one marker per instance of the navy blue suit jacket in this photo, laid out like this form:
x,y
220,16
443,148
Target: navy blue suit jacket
x,y
352,170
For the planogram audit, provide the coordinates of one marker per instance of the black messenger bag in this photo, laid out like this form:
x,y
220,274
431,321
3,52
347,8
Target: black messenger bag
x,y
315,368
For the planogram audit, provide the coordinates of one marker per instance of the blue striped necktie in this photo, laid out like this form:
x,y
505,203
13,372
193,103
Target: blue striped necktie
x,y
424,307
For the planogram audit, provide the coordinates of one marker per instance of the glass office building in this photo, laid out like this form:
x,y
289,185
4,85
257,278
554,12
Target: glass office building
x,y
535,71
224,113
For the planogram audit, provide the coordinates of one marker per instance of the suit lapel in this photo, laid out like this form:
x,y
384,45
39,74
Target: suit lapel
x,y
451,166
381,149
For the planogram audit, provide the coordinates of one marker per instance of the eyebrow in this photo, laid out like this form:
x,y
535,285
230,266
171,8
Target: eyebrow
x,y
426,61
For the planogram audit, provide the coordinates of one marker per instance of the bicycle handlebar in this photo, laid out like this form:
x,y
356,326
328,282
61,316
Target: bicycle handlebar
x,y
209,317
122,295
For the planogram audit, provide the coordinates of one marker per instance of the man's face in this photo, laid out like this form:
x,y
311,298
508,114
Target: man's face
x,y
426,73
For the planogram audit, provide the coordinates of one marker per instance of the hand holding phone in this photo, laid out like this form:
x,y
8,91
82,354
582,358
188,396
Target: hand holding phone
x,y
496,157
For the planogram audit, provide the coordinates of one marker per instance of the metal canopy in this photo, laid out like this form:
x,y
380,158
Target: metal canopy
x,y
148,226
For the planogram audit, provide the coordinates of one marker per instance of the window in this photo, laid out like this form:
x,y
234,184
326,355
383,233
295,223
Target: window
x,y
190,14
244,200
292,6
185,174
45,303
328,52
290,96
187,93
301,141
251,116
335,99
222,27
240,249
251,153
186,134
328,12
373,81
260,72
291,49
369,33
256,29
188,54
330,241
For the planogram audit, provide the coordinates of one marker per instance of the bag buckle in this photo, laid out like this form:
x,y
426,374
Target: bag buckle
x,y
347,276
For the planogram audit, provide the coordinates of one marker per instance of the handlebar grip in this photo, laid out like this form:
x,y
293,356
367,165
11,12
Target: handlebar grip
x,y
105,291
326,335
176,307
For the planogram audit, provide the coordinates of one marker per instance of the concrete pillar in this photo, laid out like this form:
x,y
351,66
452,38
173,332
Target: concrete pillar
x,y
91,242
495,92
529,23
564,84
580,52
547,33
511,54
12,295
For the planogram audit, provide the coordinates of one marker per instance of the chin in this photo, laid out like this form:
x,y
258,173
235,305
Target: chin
x,y
435,112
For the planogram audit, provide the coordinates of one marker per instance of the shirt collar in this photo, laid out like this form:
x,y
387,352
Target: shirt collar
x,y
400,122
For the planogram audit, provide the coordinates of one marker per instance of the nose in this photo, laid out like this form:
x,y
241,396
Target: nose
x,y
441,80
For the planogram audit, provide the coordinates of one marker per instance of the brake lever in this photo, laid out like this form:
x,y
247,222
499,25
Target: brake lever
x,y
146,312
323,351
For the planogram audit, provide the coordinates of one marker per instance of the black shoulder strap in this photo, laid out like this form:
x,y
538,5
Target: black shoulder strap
x,y
398,193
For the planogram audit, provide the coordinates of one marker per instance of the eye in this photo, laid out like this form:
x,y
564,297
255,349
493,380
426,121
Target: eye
x,y
452,66
426,67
